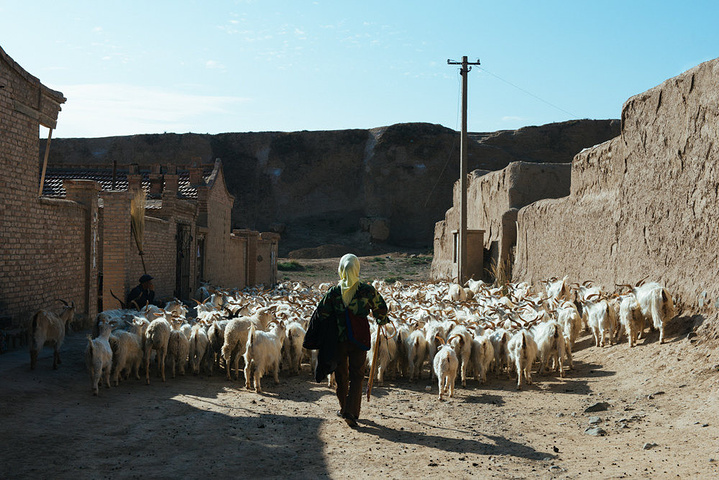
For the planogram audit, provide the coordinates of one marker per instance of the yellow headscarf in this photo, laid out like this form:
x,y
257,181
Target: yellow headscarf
x,y
349,276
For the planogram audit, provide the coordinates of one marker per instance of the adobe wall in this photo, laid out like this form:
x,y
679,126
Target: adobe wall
x,y
267,246
220,254
493,199
642,204
235,270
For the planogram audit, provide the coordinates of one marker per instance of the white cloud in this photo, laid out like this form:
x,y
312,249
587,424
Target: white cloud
x,y
212,64
97,110
512,119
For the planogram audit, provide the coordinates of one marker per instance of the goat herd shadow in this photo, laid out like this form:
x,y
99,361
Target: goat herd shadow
x,y
183,426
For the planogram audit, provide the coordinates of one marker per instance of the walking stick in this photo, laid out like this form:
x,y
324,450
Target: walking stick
x,y
374,363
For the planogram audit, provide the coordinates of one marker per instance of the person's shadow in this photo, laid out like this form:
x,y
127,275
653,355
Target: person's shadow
x,y
484,444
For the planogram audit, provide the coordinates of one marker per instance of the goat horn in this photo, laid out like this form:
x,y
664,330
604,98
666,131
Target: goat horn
x,y
640,282
63,301
586,283
437,337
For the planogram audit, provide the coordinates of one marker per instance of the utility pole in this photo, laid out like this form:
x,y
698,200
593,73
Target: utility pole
x,y
462,247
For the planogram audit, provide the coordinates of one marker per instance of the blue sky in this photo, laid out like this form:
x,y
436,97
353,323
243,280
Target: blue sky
x,y
214,66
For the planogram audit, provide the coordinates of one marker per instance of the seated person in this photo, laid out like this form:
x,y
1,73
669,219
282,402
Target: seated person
x,y
142,294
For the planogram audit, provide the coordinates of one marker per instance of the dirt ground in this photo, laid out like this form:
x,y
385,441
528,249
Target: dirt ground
x,y
660,417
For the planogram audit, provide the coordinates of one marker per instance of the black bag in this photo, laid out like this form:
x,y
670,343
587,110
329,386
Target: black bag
x,y
322,335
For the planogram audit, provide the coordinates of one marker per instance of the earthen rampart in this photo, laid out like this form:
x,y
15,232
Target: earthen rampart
x,y
643,204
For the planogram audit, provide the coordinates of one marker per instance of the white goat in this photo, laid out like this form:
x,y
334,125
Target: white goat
x,y
550,345
481,357
416,347
386,355
522,351
445,365
199,349
292,347
98,357
499,339
656,305
599,319
235,336
234,345
433,330
127,350
157,337
216,337
264,351
631,318
568,317
461,341
401,359
49,328
178,347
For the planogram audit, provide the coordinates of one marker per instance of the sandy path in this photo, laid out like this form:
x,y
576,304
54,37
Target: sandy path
x,y
197,426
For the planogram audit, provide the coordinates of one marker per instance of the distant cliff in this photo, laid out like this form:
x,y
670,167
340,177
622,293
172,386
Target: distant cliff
x,y
351,187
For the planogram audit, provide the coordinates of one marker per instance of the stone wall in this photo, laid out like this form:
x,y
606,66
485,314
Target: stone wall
x,y
493,200
642,204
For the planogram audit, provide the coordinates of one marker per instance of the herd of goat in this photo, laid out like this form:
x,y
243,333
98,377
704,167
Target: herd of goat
x,y
467,330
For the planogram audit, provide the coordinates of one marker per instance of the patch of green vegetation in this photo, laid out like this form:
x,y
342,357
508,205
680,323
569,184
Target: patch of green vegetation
x,y
420,260
391,280
291,266
378,260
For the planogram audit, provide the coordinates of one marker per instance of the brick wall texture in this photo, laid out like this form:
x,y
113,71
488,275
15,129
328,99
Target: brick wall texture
x,y
42,252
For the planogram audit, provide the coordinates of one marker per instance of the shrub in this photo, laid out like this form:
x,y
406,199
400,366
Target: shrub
x,y
292,266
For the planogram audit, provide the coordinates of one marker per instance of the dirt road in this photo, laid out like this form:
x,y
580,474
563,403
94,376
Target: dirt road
x,y
657,405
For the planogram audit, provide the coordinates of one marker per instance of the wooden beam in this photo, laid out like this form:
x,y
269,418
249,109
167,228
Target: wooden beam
x,y
44,163
36,115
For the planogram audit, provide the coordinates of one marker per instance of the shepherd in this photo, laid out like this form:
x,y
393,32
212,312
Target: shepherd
x,y
142,294
350,302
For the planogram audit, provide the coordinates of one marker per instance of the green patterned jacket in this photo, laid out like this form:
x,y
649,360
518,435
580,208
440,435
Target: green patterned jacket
x,y
366,299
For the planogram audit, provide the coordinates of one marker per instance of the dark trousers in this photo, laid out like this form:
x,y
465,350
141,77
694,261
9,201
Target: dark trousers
x,y
349,375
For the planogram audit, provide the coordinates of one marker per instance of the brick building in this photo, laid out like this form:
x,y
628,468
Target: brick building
x,y
72,239
188,236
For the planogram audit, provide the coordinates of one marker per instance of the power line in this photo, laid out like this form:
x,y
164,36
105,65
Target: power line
x,y
527,92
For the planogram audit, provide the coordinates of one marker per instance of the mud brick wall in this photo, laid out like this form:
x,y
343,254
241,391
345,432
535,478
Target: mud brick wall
x,y
266,272
641,204
493,200
221,257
